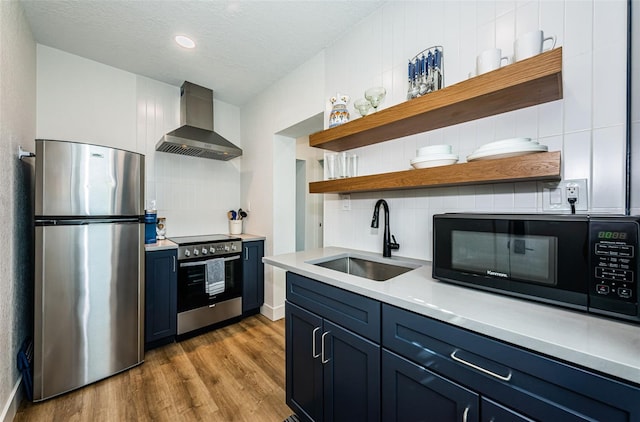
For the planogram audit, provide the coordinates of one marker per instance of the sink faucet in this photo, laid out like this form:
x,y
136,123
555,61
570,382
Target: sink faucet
x,y
387,244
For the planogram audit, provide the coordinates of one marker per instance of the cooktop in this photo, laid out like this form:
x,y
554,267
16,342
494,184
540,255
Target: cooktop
x,y
205,238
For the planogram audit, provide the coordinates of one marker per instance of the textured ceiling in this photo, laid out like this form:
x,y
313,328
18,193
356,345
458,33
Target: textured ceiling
x,y
243,46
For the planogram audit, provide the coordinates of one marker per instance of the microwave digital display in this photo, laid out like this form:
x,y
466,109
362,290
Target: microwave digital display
x,y
530,258
609,235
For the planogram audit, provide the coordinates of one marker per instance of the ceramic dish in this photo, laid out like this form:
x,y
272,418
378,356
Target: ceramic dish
x,y
433,149
506,143
507,152
434,160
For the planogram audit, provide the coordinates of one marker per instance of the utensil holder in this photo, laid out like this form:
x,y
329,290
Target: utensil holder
x,y
235,226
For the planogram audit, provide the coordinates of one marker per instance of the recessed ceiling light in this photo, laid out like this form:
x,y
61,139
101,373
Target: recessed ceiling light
x,y
184,41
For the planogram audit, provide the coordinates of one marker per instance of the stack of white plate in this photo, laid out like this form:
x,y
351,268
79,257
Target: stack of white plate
x,y
434,156
512,147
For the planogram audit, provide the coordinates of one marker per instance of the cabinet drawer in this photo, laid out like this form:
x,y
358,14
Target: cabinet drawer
x,y
352,311
543,388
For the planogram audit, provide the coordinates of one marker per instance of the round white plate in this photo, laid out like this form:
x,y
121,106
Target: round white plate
x,y
433,157
506,152
506,143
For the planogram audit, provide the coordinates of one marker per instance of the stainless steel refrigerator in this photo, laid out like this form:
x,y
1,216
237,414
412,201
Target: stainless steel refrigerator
x,y
89,266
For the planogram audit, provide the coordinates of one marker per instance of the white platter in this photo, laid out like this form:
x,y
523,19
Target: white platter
x,y
506,143
507,152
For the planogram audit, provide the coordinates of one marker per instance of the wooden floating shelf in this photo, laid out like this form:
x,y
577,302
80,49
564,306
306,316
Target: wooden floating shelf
x,y
522,84
538,166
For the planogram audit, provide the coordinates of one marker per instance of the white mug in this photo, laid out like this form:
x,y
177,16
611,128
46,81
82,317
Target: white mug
x,y
490,60
531,44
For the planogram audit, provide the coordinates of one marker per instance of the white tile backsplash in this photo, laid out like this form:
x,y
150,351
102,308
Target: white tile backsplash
x,y
578,30
576,155
608,168
527,18
505,32
578,92
609,99
580,125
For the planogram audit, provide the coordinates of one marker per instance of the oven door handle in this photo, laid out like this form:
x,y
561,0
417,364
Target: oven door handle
x,y
197,263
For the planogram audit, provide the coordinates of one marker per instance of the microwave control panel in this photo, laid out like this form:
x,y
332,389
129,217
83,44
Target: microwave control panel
x,y
614,262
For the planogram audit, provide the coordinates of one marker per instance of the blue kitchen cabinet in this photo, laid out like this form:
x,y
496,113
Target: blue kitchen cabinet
x,y
386,363
252,276
511,384
332,364
161,297
413,393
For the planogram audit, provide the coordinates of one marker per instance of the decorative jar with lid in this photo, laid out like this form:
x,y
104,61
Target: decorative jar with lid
x,y
339,113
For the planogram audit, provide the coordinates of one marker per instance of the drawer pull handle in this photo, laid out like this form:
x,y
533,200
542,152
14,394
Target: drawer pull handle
x,y
486,371
322,351
313,343
465,414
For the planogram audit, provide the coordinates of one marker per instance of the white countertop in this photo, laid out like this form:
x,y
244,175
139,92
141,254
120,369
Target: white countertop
x,y
594,342
160,245
246,237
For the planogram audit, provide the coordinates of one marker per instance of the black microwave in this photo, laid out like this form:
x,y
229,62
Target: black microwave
x,y
586,262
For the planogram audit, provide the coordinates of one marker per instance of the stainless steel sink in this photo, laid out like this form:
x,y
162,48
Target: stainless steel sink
x,y
364,267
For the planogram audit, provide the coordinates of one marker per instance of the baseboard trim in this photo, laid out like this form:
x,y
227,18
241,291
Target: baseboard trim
x,y
274,313
11,406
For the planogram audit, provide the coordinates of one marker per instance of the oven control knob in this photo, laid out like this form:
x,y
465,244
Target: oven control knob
x,y
212,249
187,253
233,247
204,251
226,248
196,252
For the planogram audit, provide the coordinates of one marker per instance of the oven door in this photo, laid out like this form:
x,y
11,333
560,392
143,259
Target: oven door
x,y
192,282
539,257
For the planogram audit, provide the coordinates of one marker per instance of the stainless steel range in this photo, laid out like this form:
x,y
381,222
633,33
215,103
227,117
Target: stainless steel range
x,y
209,280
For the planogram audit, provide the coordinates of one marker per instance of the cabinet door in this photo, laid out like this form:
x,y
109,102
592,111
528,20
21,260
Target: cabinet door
x,y
303,365
252,275
161,286
351,376
413,393
495,412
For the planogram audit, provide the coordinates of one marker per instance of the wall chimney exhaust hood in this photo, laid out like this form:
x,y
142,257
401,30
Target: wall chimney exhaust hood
x,y
195,137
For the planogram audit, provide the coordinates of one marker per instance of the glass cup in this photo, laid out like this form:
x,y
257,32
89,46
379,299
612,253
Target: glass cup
x,y
343,169
352,165
331,161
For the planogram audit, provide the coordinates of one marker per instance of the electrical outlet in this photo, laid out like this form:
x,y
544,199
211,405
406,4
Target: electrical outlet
x,y
556,195
572,192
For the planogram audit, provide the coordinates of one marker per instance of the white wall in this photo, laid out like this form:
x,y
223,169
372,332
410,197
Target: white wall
x,y
294,99
17,128
82,100
587,125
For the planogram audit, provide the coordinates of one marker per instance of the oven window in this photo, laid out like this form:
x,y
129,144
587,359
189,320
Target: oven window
x,y
509,256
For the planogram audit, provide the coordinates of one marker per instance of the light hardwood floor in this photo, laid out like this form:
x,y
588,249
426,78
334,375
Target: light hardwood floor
x,y
234,373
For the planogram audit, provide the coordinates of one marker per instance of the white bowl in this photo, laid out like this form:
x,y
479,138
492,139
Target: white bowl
x,y
434,160
433,149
